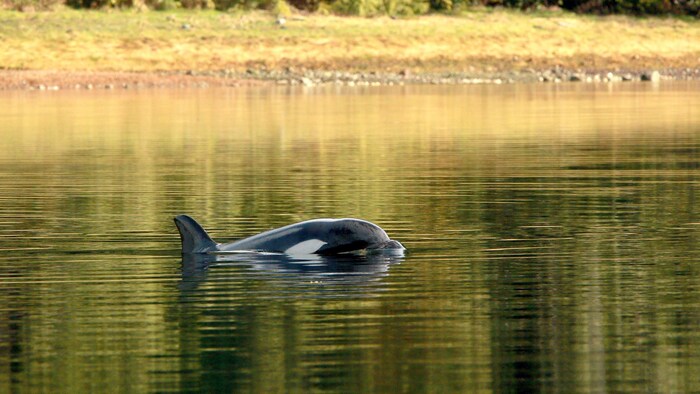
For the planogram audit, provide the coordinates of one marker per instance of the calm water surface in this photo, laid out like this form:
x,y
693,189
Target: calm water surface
x,y
554,239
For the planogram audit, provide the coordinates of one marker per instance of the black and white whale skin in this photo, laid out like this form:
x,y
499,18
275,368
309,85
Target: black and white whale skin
x,y
318,236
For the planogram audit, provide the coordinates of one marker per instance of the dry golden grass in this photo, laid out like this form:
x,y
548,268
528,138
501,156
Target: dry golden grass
x,y
481,40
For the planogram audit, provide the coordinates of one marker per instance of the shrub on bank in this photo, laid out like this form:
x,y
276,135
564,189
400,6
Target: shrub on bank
x,y
28,5
637,7
380,7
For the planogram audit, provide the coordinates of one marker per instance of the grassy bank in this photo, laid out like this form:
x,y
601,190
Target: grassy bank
x,y
481,41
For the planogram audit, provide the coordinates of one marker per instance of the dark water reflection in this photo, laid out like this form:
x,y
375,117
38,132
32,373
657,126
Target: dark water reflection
x,y
553,237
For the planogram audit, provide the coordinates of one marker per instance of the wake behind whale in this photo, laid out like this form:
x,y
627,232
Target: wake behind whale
x,y
318,236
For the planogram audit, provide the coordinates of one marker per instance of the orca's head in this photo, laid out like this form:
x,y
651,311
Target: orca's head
x,y
390,248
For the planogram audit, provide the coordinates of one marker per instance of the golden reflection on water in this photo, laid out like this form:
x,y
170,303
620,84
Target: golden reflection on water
x,y
320,146
527,208
494,113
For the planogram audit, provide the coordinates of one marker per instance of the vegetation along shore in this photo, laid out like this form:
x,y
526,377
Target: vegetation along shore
x,y
113,48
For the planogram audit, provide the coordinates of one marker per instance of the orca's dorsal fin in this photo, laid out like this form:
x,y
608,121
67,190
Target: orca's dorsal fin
x,y
194,238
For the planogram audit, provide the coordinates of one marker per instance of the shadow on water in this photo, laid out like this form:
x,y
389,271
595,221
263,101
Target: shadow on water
x,y
339,270
264,314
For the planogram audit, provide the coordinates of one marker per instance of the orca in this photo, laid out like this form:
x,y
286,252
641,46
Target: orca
x,y
318,236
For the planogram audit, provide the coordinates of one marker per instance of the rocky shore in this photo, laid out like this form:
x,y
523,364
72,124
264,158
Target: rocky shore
x,y
62,80
556,75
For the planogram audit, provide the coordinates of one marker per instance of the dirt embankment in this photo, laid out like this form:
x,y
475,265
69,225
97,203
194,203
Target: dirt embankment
x,y
101,80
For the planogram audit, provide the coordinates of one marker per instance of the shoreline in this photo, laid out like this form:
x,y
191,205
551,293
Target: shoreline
x,y
133,50
14,80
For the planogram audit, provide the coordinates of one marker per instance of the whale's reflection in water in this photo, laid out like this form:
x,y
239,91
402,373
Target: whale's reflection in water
x,y
341,270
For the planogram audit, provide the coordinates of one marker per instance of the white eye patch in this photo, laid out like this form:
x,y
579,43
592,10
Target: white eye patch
x,y
306,247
